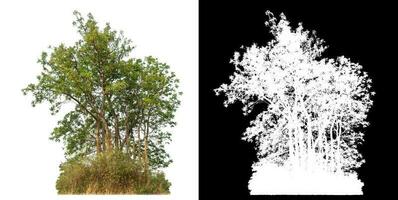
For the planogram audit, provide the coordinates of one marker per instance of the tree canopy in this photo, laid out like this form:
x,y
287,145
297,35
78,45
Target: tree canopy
x,y
120,103
316,107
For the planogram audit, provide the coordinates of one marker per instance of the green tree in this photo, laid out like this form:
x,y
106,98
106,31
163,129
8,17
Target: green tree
x,y
121,103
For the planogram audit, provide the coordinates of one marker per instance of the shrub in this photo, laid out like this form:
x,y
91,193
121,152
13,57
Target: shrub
x,y
157,184
109,173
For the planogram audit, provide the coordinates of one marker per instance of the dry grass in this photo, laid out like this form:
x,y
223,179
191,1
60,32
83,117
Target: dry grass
x,y
111,173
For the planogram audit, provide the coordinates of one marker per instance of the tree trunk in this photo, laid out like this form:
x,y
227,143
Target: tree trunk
x,y
133,146
146,159
126,141
108,136
117,133
138,144
97,136
103,144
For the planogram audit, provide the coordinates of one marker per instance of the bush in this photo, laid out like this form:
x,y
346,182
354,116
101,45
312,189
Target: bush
x,y
109,173
73,177
157,184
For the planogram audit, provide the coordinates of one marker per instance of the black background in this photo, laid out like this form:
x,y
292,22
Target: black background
x,y
363,32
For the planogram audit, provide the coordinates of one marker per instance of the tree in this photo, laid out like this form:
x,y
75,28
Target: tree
x,y
121,103
316,107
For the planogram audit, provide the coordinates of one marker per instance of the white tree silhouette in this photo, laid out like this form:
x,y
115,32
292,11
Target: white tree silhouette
x,y
316,107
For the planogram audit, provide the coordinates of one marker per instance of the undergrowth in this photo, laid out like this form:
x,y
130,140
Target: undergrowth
x,y
109,173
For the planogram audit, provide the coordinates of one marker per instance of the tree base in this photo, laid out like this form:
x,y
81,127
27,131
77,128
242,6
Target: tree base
x,y
109,173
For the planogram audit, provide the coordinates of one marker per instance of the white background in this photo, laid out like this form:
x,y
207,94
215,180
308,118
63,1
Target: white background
x,y
165,29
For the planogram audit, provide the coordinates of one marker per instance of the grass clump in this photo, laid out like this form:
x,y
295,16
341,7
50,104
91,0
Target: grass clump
x,y
109,173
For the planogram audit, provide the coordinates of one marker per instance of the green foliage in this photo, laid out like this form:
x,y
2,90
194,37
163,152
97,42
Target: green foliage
x,y
108,173
97,76
75,131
